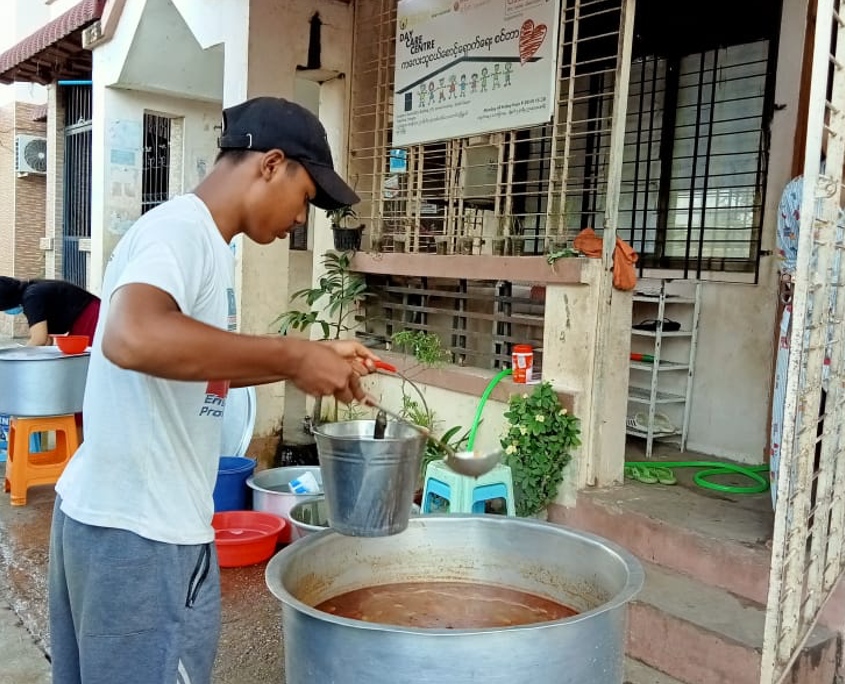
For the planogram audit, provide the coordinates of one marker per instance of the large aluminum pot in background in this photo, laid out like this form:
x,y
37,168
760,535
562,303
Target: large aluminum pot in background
x,y
577,569
41,381
369,483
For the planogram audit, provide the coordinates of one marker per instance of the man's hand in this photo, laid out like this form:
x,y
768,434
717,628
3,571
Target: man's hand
x,y
362,359
333,369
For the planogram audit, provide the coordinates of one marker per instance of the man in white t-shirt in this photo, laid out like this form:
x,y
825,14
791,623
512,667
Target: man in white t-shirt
x,y
134,581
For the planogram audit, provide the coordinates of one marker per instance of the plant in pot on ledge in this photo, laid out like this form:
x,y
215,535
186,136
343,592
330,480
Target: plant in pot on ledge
x,y
428,351
347,238
538,444
339,296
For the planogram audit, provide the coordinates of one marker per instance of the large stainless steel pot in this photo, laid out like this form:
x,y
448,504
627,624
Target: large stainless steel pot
x,y
577,569
41,381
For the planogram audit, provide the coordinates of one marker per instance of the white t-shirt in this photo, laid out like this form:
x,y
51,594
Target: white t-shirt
x,y
150,456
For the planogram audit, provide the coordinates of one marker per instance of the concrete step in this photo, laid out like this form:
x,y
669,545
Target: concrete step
x,y
640,673
718,541
701,634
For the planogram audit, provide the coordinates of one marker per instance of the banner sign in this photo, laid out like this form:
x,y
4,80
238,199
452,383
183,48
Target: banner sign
x,y
465,67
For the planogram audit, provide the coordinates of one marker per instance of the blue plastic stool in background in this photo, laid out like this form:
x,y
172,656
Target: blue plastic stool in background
x,y
464,494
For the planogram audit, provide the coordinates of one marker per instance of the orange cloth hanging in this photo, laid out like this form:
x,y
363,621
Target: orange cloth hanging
x,y
624,257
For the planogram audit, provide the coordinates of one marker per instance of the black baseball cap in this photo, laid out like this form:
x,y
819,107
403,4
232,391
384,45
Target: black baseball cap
x,y
273,123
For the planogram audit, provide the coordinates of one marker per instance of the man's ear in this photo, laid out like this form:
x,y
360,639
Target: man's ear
x,y
271,163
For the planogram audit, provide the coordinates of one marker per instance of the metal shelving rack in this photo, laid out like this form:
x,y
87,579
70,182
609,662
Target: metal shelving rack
x,y
653,396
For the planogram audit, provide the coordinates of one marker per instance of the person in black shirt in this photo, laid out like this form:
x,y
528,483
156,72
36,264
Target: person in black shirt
x,y
51,307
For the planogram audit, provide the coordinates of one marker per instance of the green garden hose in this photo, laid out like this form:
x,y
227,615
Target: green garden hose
x,y
481,402
716,468
709,469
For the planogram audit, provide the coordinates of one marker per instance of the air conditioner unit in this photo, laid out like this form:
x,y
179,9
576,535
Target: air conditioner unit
x,y
30,154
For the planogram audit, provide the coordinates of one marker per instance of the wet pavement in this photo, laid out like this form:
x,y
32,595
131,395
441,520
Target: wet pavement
x,y
250,644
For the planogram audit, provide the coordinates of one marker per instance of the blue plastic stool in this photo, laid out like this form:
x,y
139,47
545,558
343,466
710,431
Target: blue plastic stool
x,y
443,487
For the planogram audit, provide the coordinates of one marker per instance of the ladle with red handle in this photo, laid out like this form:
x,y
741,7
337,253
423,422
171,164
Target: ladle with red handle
x,y
470,463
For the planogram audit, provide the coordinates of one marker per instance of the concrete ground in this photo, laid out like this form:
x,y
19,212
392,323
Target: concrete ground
x,y
250,644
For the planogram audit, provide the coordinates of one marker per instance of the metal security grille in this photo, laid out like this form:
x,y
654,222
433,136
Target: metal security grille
x,y
808,556
155,181
695,144
696,157
478,321
76,213
537,185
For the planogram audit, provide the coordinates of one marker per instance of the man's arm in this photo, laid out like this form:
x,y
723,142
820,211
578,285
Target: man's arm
x,y
146,332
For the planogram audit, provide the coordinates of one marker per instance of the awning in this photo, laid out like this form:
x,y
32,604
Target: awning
x,y
55,50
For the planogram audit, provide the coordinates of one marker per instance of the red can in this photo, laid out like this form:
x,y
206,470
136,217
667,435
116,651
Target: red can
x,y
523,362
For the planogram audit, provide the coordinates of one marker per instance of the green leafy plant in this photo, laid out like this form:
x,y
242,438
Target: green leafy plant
x,y
341,216
538,444
566,253
337,298
424,347
341,292
428,351
421,415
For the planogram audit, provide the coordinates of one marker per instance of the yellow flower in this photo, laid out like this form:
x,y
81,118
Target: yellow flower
x,y
525,396
540,418
562,412
523,430
510,450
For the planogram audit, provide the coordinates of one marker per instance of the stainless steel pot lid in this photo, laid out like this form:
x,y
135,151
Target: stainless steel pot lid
x,y
238,421
45,353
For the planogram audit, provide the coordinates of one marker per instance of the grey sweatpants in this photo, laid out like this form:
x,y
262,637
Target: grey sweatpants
x,y
130,610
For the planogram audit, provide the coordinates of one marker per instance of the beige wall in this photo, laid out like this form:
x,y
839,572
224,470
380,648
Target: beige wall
x,y
265,275
262,63
734,366
118,160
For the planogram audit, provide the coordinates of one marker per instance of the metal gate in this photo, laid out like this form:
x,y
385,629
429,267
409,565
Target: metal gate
x,y
808,556
76,220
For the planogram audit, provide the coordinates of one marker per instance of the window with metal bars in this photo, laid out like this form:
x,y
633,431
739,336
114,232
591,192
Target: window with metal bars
x,y
700,102
155,179
541,185
76,212
478,322
696,158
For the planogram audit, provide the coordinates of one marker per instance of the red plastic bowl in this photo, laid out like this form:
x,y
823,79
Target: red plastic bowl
x,y
72,344
245,537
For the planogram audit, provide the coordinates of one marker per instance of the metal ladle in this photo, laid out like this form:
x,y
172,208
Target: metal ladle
x,y
470,463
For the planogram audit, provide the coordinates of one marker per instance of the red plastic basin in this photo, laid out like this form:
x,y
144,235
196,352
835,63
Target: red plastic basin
x,y
245,537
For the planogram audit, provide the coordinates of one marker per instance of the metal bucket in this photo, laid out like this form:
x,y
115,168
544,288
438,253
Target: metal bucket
x,y
579,570
369,483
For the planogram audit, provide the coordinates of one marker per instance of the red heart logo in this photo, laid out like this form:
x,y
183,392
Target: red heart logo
x,y
531,37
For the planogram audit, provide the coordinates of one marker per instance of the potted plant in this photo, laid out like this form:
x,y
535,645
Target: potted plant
x,y
429,352
538,444
424,347
346,237
339,296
